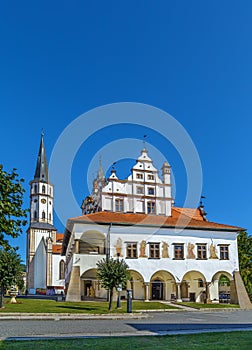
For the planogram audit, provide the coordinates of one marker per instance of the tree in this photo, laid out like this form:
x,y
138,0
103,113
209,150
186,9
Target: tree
x,y
112,273
245,260
12,216
10,271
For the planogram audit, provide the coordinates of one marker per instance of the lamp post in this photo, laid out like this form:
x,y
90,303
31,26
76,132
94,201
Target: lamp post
x,y
119,289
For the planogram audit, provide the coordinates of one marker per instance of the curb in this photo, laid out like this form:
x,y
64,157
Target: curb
x,y
48,316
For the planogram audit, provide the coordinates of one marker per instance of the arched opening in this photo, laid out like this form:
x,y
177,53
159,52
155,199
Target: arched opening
x,y
136,284
163,286
91,287
61,270
43,189
223,289
194,287
35,215
43,215
92,242
35,188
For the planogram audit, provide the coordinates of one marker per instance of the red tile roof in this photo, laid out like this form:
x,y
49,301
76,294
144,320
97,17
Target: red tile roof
x,y
57,248
181,217
59,237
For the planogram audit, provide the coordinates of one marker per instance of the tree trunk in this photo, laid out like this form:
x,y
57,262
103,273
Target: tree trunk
x,y
110,298
2,296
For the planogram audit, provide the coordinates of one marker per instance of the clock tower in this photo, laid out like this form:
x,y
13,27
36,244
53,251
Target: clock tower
x,y
41,234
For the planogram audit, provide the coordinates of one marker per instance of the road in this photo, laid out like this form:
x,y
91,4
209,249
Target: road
x,y
156,323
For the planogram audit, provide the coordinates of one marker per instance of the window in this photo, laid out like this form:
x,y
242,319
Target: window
x,y
139,176
151,190
43,189
150,207
119,205
35,214
140,190
200,283
35,189
150,177
154,250
61,270
50,216
201,251
179,251
43,215
131,252
224,253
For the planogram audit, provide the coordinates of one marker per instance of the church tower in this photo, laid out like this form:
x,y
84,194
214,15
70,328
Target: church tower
x,y
41,233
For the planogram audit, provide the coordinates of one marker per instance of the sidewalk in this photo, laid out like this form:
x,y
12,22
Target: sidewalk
x,y
61,316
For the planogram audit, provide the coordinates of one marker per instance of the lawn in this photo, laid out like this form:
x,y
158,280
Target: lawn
x,y
209,306
97,307
209,341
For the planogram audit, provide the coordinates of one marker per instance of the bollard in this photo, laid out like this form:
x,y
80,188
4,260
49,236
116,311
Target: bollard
x,y
129,300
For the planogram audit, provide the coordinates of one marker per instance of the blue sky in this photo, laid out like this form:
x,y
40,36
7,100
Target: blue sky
x,y
191,59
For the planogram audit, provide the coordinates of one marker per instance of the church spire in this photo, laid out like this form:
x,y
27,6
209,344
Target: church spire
x,y
100,174
41,172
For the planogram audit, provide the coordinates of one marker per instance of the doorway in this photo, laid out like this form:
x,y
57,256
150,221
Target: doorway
x,y
157,290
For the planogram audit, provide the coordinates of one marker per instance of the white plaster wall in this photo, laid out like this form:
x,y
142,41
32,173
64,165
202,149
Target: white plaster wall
x,y
56,258
40,266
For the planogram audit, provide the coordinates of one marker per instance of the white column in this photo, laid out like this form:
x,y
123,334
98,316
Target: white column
x,y
178,285
147,291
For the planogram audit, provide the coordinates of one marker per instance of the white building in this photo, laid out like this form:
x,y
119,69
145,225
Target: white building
x,y
172,253
45,265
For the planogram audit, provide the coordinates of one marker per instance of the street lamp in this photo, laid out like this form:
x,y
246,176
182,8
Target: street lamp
x,y
119,288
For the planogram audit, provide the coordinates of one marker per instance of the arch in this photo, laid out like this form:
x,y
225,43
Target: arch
x,y
90,286
136,283
43,215
35,215
163,285
93,242
43,189
218,274
223,289
194,287
61,269
35,188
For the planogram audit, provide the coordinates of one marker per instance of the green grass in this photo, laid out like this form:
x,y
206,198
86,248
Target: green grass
x,y
209,341
96,307
209,306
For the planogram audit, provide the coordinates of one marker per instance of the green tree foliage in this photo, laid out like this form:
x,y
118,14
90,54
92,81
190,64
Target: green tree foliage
x,y
112,273
10,271
12,216
245,260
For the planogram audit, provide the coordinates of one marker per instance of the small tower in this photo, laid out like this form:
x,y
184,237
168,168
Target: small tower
x,y
166,173
92,203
